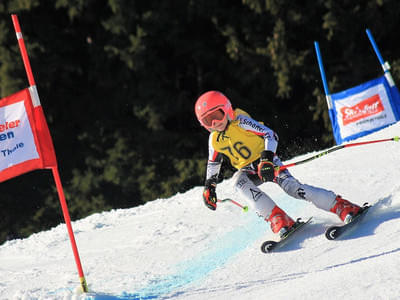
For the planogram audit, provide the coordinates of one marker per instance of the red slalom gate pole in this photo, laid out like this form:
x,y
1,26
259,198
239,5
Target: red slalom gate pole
x,y
279,169
22,48
69,228
55,172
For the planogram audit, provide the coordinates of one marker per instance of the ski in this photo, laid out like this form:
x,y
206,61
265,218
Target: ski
x,y
269,246
334,232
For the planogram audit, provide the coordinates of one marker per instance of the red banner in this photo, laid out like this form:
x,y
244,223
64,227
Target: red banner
x,y
25,141
365,108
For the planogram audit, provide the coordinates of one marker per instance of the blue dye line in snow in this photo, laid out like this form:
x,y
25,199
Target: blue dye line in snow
x,y
215,256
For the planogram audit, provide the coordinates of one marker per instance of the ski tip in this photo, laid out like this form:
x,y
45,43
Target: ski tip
x,y
300,220
331,233
334,232
268,246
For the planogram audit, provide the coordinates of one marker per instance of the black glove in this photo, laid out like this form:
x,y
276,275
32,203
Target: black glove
x,y
266,170
209,194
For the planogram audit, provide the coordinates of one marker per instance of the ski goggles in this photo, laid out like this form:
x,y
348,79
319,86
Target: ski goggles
x,y
213,118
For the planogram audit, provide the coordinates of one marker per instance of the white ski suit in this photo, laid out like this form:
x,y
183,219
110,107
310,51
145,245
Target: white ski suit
x,y
242,143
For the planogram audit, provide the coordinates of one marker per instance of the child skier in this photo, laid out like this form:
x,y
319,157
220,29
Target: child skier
x,y
250,147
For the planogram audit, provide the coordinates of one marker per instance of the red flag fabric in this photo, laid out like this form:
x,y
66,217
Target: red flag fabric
x,y
25,141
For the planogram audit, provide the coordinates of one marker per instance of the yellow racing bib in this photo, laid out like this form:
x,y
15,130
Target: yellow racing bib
x,y
241,146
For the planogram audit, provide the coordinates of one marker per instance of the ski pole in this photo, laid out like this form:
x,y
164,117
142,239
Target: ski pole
x,y
279,169
244,207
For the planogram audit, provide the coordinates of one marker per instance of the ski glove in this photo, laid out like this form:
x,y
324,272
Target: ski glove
x,y
266,170
209,194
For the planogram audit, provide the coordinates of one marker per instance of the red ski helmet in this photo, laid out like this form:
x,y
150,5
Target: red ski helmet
x,y
210,102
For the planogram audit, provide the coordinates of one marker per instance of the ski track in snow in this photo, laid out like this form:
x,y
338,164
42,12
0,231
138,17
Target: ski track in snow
x,y
178,249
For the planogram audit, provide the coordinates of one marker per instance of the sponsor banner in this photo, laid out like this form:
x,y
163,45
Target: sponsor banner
x,y
25,142
363,109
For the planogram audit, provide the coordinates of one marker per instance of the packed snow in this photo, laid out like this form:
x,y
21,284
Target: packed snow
x,y
176,248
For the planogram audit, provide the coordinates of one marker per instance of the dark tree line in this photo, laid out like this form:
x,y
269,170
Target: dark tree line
x,y
118,80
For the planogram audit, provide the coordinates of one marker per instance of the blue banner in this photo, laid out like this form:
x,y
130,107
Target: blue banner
x,y
364,109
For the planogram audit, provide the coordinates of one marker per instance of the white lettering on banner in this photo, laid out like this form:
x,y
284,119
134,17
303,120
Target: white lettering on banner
x,y
364,111
17,143
361,110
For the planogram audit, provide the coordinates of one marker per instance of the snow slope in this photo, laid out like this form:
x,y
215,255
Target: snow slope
x,y
178,249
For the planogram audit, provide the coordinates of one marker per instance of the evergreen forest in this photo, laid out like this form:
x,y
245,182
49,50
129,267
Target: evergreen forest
x,y
118,80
